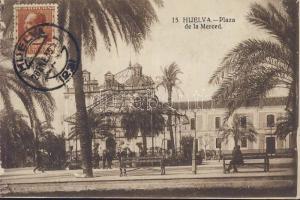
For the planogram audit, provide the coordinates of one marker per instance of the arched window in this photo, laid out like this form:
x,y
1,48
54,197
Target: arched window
x,y
270,120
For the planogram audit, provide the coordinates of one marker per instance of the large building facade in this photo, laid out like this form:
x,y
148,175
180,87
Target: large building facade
x,y
206,119
203,119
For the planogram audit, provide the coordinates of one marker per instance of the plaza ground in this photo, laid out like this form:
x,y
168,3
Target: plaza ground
x,y
178,181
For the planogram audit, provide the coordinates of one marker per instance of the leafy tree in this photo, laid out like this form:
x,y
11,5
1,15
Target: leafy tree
x,y
170,81
146,122
238,131
53,148
254,67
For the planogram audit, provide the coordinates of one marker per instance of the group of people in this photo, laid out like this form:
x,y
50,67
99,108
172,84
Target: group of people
x,y
107,157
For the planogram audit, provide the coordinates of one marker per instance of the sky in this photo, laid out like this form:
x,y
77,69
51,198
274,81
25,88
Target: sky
x,y
197,52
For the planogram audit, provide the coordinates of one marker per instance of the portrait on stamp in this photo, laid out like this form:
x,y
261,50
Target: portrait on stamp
x,y
25,17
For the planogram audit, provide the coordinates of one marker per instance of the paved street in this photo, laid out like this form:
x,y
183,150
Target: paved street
x,y
209,176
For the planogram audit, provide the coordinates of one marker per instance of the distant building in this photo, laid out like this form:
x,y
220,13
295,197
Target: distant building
x,y
206,118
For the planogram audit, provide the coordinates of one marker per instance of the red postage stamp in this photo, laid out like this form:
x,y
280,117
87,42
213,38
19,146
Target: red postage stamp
x,y
30,15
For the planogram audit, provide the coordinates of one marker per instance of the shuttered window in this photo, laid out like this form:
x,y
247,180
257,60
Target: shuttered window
x,y
270,121
217,122
193,124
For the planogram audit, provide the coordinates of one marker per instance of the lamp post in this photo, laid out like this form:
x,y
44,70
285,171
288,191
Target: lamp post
x,y
180,135
194,164
175,130
151,130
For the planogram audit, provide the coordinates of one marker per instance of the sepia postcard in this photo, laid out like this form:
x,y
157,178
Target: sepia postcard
x,y
149,99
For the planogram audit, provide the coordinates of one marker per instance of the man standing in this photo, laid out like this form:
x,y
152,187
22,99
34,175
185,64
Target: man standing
x,y
96,159
109,157
104,157
121,155
39,162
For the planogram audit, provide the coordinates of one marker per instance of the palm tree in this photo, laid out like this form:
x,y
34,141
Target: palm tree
x,y
17,140
238,131
255,67
170,81
99,125
148,123
130,20
30,99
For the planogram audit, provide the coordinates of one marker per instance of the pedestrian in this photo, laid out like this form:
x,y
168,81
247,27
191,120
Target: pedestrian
x,y
96,159
104,157
121,155
39,162
109,159
237,159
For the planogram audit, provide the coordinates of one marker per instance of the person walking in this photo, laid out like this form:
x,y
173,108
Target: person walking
x,y
39,162
237,159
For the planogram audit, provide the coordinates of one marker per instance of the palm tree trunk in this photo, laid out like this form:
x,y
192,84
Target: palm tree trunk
x,y
236,141
82,128
144,151
170,121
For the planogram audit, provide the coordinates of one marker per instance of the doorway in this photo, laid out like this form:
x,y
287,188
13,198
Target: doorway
x,y
270,145
111,145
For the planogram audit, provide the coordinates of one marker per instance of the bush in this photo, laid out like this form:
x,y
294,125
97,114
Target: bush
x,y
181,159
53,151
187,146
211,154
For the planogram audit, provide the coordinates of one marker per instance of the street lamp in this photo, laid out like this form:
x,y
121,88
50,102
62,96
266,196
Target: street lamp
x,y
184,121
194,164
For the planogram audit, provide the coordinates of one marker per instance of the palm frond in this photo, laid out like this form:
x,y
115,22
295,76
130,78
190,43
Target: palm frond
x,y
270,19
250,54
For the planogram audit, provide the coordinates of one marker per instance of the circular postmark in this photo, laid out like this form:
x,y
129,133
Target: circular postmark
x,y
43,61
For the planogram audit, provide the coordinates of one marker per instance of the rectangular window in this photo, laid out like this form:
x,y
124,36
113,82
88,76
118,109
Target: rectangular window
x,y
270,121
243,121
169,144
218,143
244,142
193,124
217,122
